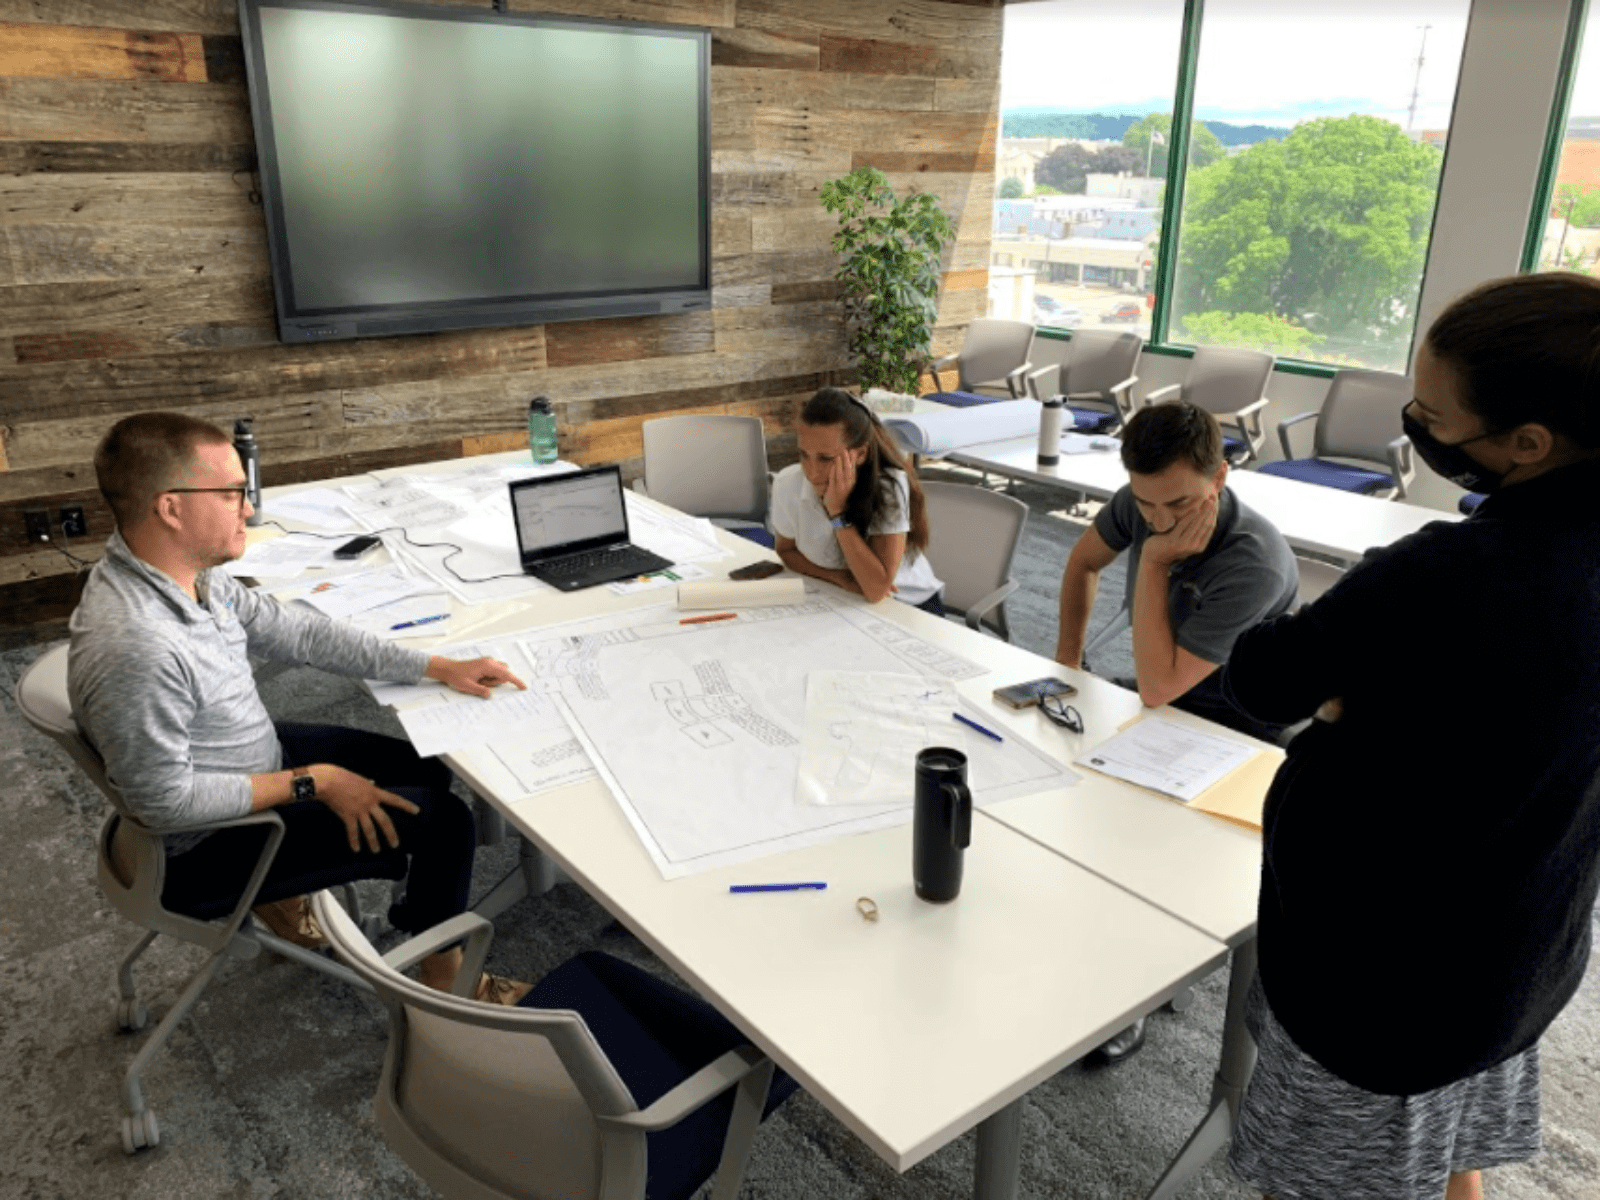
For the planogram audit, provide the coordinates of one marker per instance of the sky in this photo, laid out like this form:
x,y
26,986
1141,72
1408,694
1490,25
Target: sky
x,y
1268,61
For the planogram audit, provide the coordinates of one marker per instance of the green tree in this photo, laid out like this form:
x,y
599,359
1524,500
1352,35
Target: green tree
x,y
1328,227
889,270
1204,148
1255,331
1578,203
1066,168
1010,189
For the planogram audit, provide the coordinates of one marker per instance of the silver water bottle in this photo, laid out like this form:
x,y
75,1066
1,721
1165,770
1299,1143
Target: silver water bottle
x,y
244,442
1050,413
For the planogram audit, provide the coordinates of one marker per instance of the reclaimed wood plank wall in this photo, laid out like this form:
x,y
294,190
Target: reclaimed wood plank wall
x,y
134,275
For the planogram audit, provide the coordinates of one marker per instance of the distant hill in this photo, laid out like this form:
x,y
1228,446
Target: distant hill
x,y
1109,127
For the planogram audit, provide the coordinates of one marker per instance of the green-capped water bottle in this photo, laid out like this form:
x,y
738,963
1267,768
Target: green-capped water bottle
x,y
542,430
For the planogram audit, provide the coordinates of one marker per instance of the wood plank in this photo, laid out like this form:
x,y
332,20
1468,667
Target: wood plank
x,y
626,339
25,605
169,198
966,95
89,110
714,13
799,293
789,88
960,281
795,227
730,232
916,22
181,16
61,252
961,307
261,373
733,47
22,157
916,160
180,306
778,267
741,295
125,343
495,443
87,52
5,461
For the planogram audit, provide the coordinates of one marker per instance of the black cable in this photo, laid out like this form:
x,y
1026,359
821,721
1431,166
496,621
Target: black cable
x,y
400,529
79,565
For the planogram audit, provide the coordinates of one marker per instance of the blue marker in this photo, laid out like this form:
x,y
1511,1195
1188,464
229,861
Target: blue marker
x,y
778,887
971,724
420,621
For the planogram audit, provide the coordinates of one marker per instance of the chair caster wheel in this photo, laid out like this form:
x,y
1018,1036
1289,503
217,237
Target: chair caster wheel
x,y
140,1132
1182,1002
131,1015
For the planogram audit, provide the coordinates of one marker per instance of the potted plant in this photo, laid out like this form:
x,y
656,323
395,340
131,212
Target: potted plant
x,y
889,265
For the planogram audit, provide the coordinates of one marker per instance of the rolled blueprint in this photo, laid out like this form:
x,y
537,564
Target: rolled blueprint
x,y
741,593
938,433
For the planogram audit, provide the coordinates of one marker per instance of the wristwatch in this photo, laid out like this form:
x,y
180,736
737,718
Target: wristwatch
x,y
304,785
837,522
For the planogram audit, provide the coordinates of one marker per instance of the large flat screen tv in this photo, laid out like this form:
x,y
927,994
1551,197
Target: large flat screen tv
x,y
430,168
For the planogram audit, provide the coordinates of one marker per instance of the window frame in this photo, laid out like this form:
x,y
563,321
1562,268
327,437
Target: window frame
x,y
1555,138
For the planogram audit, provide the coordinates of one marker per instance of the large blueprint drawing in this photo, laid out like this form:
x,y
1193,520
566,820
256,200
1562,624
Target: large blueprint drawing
x,y
697,728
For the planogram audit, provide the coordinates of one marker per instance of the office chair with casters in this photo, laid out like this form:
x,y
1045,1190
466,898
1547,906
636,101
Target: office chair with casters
x,y
1230,383
601,1083
973,535
994,353
710,465
131,864
1096,380
1359,419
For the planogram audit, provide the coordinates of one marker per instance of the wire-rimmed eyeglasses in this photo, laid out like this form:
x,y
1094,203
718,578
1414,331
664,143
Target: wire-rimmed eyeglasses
x,y
1059,712
238,493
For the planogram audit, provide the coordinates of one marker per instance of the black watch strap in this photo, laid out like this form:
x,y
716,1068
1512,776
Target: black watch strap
x,y
304,785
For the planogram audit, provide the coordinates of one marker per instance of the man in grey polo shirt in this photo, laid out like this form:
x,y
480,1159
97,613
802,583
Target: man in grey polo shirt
x,y
1202,569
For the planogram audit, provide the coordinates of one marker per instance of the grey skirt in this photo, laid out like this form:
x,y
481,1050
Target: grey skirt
x,y
1305,1134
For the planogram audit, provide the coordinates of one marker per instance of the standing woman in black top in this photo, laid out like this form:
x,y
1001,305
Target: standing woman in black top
x,y
1432,843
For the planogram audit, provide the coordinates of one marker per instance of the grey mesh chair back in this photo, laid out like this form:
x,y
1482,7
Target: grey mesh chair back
x,y
707,465
1226,379
487,1102
131,864
994,353
1361,415
1099,361
973,535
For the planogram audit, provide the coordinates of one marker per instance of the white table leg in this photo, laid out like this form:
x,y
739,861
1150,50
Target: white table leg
x,y
534,875
1227,1088
999,1154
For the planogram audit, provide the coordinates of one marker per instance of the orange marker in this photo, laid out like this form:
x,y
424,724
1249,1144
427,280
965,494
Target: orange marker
x,y
712,617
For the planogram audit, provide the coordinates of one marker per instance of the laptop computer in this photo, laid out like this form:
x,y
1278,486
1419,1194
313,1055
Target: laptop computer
x,y
572,530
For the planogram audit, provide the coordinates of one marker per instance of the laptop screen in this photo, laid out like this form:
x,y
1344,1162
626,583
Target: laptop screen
x,y
562,513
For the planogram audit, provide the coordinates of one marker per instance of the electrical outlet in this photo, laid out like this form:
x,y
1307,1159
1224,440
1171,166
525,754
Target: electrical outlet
x,y
38,522
73,522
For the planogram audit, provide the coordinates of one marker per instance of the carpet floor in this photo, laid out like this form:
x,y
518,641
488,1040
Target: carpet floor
x,y
266,1089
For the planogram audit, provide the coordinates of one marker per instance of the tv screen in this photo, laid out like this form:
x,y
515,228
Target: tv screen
x,y
435,168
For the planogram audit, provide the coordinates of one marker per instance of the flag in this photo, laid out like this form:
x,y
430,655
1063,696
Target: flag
x,y
1157,138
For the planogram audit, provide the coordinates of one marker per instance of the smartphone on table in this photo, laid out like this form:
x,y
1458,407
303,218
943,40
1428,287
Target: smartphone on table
x,y
1027,695
356,547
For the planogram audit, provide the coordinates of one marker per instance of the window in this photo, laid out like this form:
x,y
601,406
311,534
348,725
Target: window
x,y
1078,178
1567,236
1299,219
1307,236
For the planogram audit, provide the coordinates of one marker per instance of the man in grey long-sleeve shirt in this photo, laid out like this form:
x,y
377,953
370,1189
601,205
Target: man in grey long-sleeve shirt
x,y
160,681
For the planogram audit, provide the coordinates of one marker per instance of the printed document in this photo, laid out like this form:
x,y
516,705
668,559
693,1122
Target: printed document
x,y
1164,756
455,721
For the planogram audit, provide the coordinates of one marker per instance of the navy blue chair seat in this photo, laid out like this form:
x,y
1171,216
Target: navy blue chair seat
x,y
1324,473
963,399
761,537
1092,420
656,1036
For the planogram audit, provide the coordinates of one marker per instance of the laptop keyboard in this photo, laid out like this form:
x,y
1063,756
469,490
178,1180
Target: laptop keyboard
x,y
590,560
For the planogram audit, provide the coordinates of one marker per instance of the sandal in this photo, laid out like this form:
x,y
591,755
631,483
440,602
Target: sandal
x,y
497,989
293,921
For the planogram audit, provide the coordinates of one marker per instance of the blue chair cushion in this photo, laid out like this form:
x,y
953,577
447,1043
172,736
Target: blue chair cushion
x,y
656,1036
962,399
1468,504
1330,474
1092,420
761,537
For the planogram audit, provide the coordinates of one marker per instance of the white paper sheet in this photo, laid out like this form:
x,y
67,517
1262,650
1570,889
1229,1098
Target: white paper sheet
x,y
909,648
696,728
938,433
282,558
548,761
674,536
864,731
347,595
403,694
322,507
1167,757
398,502
455,721
661,579
407,612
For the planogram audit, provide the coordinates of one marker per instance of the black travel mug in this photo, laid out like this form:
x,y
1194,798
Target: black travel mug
x,y
942,827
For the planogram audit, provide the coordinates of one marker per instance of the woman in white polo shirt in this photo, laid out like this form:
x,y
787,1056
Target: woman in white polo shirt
x,y
851,511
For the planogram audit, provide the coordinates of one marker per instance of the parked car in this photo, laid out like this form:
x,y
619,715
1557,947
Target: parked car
x,y
1128,311
1052,312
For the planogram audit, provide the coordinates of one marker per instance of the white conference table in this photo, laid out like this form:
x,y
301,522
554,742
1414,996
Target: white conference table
x,y
1322,520
936,1018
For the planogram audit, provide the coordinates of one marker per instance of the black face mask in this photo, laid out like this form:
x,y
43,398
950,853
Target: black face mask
x,y
1448,459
